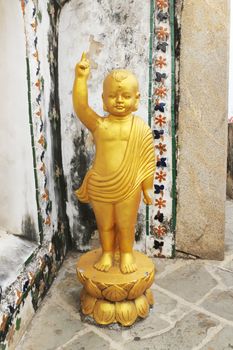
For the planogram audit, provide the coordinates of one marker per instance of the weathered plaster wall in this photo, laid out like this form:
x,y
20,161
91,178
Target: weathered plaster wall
x,y
40,74
21,299
14,251
17,184
115,34
202,136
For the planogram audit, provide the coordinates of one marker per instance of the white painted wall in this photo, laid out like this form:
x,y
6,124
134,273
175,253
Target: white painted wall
x,y
116,35
17,187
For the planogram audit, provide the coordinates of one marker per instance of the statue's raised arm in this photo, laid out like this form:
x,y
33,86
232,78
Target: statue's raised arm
x,y
80,94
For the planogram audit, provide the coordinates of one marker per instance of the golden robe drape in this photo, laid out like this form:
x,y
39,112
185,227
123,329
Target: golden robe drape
x,y
137,165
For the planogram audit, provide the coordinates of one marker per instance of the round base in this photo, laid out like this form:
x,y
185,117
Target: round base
x,y
112,296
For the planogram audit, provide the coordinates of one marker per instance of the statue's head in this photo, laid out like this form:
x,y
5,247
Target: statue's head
x,y
120,93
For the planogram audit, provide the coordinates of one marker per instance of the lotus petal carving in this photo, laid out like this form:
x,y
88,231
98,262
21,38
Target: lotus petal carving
x,y
88,304
104,312
101,285
126,312
142,306
150,279
92,289
138,289
127,286
114,293
81,277
149,296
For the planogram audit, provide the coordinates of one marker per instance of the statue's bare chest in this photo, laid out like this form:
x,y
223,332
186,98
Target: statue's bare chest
x,y
114,131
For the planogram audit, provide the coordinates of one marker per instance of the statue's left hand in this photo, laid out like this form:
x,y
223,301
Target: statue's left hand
x,y
147,197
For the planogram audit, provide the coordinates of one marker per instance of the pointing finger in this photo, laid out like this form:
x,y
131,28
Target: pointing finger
x,y
84,56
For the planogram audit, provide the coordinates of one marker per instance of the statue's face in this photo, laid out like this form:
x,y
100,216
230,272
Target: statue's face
x,y
120,98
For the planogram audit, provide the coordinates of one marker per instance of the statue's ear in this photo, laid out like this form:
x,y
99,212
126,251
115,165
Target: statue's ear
x,y
137,101
104,106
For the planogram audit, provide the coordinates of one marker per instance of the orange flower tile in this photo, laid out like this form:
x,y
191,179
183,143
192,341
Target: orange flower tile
x,y
162,4
161,62
160,120
160,176
161,203
162,33
161,91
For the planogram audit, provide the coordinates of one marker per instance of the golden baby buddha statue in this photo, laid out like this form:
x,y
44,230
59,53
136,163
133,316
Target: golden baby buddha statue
x,y
116,279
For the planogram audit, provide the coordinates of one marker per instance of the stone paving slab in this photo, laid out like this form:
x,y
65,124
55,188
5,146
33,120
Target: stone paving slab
x,y
88,341
190,281
68,290
220,302
223,272
165,266
226,275
178,313
116,333
186,334
148,326
141,328
163,304
222,340
53,326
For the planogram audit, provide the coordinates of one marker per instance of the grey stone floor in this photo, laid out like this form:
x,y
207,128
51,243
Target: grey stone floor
x,y
193,310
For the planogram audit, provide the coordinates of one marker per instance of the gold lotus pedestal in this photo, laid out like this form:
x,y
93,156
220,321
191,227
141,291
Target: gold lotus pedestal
x,y
110,297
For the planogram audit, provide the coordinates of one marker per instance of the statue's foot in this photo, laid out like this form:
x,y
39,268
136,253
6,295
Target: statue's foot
x,y
105,262
127,264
